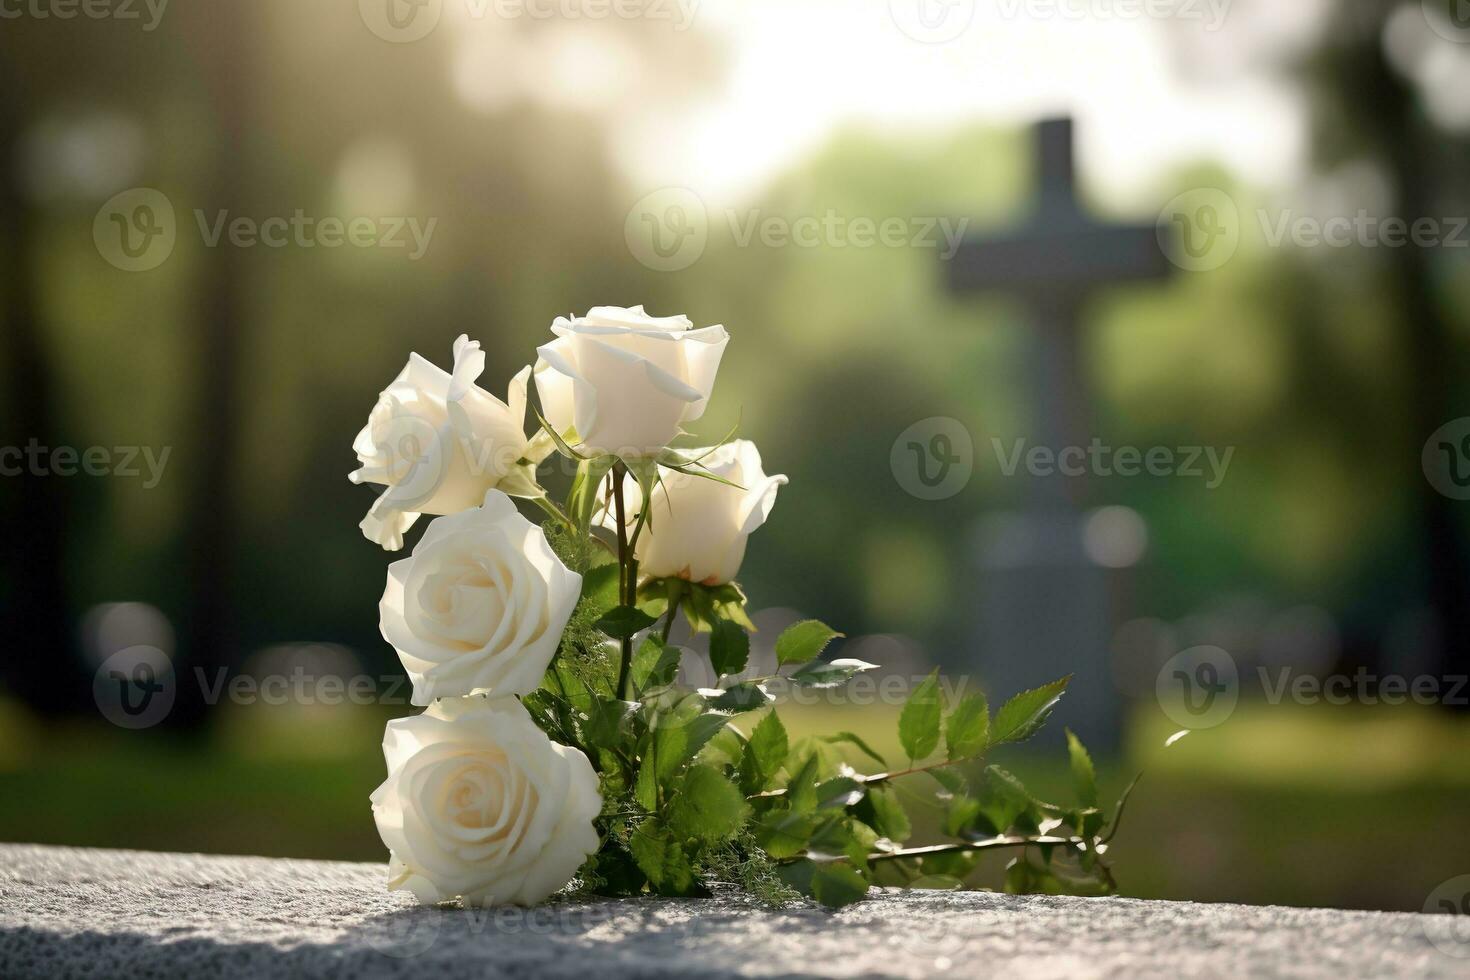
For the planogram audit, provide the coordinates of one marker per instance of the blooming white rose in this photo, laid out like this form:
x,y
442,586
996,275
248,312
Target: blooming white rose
x,y
627,381
438,442
480,606
479,804
698,527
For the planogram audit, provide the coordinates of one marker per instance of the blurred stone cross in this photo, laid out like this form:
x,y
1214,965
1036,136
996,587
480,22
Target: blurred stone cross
x,y
1049,593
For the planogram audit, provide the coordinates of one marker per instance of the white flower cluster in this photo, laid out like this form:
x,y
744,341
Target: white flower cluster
x,y
480,804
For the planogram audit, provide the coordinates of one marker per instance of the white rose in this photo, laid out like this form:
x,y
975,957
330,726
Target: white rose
x,y
627,381
698,527
479,804
438,442
480,606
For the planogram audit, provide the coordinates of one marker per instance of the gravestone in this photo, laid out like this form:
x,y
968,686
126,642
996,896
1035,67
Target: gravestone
x,y
75,912
1046,606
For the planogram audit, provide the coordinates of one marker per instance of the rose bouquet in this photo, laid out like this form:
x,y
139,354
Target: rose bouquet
x,y
557,745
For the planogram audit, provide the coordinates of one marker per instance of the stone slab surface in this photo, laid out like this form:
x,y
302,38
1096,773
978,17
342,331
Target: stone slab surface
x,y
74,912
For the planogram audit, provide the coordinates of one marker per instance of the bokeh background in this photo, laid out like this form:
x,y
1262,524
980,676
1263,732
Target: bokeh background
x,y
570,154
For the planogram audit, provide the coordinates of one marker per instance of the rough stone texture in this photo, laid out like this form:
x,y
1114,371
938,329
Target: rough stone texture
x,y
94,913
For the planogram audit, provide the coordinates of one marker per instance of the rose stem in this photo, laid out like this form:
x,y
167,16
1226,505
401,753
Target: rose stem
x,y
624,570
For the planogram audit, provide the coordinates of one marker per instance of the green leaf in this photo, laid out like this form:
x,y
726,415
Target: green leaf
x,y
600,588
837,885
745,696
707,806
801,789
763,755
661,858
857,742
839,792
699,732
621,622
604,725
889,817
783,834
729,648
953,781
645,787
654,665
962,817
967,728
1084,776
822,675
803,642
918,723
1023,715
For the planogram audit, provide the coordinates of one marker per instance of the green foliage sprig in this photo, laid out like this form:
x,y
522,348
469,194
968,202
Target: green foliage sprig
x,y
706,788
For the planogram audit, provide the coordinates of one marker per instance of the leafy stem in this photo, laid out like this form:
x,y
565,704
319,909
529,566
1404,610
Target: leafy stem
x,y
989,844
878,778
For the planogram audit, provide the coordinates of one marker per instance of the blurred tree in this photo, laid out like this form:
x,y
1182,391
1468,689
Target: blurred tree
x,y
1365,107
40,663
